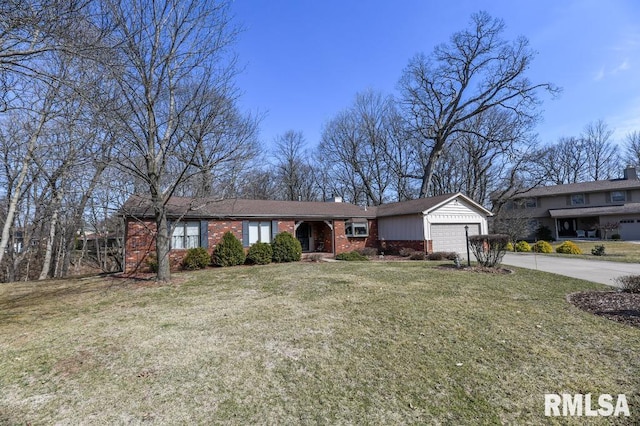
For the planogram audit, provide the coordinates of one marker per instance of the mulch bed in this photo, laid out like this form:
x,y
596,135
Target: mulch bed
x,y
615,305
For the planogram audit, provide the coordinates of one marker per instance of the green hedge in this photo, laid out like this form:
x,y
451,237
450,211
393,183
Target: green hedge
x,y
196,258
260,254
229,252
286,248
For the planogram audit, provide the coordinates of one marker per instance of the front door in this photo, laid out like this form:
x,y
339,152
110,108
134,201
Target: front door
x,y
303,234
567,227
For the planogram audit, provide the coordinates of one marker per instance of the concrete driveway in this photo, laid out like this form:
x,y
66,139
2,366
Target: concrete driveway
x,y
591,270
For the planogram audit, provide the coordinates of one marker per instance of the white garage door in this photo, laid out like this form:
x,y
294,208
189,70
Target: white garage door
x,y
629,230
451,237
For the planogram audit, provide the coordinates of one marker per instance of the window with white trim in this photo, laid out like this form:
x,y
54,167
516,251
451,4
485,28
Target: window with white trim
x,y
618,196
577,200
259,232
356,228
186,235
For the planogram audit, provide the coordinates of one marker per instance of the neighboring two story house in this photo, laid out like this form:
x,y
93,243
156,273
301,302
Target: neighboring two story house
x,y
583,210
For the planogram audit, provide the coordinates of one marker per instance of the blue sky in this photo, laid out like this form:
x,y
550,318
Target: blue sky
x,y
306,60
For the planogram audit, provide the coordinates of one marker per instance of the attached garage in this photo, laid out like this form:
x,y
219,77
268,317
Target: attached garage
x,y
433,224
451,237
630,229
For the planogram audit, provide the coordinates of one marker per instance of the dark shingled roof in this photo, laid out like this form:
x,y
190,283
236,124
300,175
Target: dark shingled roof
x,y
209,208
421,205
630,208
573,188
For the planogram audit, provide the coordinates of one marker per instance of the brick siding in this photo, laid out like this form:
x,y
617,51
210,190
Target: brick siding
x,y
140,240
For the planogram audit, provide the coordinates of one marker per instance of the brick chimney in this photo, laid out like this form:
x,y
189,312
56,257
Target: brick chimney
x,y
630,173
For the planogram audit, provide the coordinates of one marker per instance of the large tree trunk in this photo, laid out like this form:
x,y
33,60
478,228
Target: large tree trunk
x,y
46,266
163,246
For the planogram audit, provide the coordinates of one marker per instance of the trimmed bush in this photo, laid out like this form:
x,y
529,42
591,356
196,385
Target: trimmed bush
x,y
229,251
629,283
598,250
406,251
286,248
509,246
368,251
568,247
260,254
351,256
152,262
196,258
544,233
542,247
489,249
616,237
417,255
522,246
442,255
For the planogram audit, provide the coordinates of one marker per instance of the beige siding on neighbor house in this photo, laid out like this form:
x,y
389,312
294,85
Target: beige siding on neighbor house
x,y
408,227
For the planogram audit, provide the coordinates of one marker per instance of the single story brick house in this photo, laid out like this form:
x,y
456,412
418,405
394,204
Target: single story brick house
x,y
333,227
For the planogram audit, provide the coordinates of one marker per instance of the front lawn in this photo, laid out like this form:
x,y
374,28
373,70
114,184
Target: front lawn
x,y
328,343
615,251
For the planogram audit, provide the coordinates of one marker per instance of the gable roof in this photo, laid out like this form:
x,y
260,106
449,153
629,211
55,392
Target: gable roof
x,y
425,205
214,208
573,188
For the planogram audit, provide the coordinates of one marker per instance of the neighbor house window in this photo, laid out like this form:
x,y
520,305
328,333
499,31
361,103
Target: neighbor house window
x,y
356,228
577,199
618,196
259,232
530,203
185,235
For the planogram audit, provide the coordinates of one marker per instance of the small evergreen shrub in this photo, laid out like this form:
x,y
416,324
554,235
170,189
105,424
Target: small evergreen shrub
x,y
568,247
543,233
229,251
351,256
522,246
629,283
368,251
442,255
542,247
286,248
196,258
598,250
406,251
417,255
260,254
509,246
616,237
152,262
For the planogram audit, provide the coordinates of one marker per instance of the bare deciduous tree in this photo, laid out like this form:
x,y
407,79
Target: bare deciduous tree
x,y
174,56
632,148
603,161
475,72
354,149
293,170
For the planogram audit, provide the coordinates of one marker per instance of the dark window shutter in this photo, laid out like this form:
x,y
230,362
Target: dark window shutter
x,y
245,233
204,234
568,200
170,232
586,198
628,195
274,229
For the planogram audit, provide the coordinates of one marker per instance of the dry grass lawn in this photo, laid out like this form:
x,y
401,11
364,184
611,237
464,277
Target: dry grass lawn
x,y
308,343
615,251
